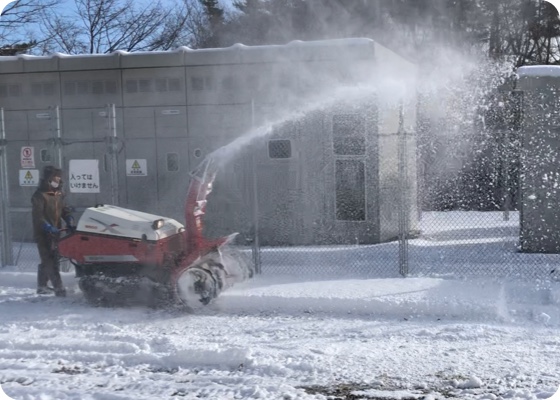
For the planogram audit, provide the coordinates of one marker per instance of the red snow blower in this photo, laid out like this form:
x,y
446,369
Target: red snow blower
x,y
122,255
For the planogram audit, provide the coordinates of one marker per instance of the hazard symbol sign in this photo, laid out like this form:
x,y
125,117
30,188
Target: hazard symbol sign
x,y
28,177
136,167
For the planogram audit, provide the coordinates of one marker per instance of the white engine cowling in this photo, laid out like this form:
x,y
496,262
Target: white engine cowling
x,y
126,223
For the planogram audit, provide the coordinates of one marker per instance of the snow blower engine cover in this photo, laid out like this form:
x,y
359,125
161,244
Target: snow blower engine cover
x,y
122,222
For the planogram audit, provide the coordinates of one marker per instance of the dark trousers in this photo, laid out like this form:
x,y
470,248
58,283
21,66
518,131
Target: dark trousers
x,y
49,269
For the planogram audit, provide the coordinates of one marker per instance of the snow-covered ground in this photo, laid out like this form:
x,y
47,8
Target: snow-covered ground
x,y
294,337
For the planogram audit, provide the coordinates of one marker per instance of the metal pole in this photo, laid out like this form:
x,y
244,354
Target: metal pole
x,y
404,211
505,174
256,228
7,255
113,149
58,137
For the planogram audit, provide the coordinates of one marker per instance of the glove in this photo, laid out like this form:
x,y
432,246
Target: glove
x,y
70,225
50,229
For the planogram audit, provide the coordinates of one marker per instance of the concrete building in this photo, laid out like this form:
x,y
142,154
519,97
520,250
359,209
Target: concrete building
x,y
326,119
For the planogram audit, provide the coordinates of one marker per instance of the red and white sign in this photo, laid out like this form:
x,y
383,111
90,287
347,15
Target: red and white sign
x,y
27,157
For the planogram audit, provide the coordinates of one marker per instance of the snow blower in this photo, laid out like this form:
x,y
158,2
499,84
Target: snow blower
x,y
122,255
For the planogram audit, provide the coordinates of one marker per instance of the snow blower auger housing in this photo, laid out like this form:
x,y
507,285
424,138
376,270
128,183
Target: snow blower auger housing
x,y
122,255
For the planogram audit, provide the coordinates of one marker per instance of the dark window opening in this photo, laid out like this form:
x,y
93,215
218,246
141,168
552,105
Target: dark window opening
x,y
209,83
70,88
131,86
172,162
280,149
144,85
48,89
3,91
82,87
111,87
36,89
350,190
97,87
349,137
197,83
161,85
15,90
174,85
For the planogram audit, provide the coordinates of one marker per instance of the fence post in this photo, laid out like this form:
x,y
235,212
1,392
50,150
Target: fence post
x,y
113,150
256,239
7,255
58,137
403,203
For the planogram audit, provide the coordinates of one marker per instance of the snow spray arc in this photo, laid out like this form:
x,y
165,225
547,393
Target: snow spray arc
x,y
556,4
4,396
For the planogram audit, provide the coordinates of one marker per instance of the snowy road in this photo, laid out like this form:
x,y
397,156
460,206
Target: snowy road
x,y
414,338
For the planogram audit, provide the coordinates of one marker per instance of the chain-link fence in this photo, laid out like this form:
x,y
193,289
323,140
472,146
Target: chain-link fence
x,y
329,218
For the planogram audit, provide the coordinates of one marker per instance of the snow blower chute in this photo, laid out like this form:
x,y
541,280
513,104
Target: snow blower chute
x,y
121,255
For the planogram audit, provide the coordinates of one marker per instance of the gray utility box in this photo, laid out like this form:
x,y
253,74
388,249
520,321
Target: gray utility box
x,y
540,159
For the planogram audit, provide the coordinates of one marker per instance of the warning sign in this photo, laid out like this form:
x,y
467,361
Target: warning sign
x,y
27,157
28,177
136,167
84,176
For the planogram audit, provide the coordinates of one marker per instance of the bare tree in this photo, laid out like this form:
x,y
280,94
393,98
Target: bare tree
x,y
17,17
104,26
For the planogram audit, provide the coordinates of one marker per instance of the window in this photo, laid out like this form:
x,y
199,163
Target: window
x,y
15,90
3,91
42,89
280,149
97,87
144,85
349,137
45,156
111,87
197,83
172,162
36,89
82,87
131,86
70,88
174,85
350,190
161,85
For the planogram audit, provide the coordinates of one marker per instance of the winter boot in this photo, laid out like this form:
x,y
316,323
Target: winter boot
x,y
60,292
45,290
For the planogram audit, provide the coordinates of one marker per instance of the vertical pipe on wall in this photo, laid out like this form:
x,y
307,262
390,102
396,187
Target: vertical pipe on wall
x,y
58,137
113,149
256,238
7,255
404,201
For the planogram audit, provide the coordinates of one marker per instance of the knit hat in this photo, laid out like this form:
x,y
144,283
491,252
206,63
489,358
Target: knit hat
x,y
50,172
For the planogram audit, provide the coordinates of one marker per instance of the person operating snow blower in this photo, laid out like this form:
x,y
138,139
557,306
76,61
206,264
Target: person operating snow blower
x,y
48,211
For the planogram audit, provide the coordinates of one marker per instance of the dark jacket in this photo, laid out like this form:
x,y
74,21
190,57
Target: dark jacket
x,y
47,206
